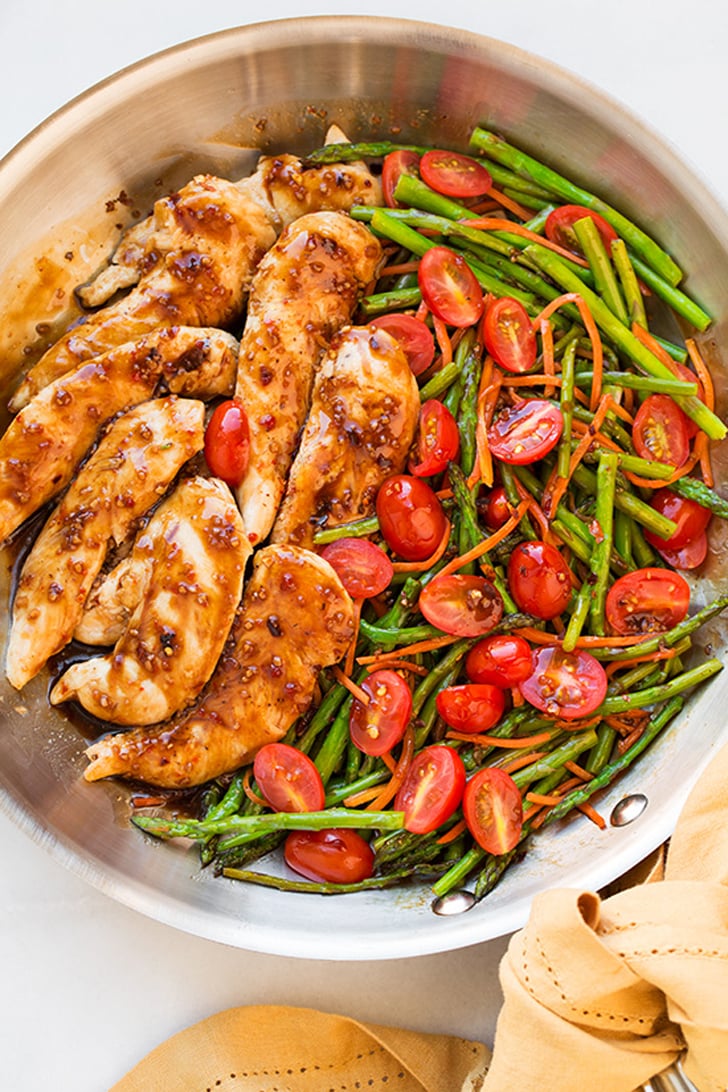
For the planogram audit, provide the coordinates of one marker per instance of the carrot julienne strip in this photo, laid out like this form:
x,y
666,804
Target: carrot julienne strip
x,y
523,760
547,348
356,691
540,637
579,771
402,665
351,651
487,543
250,793
555,490
593,814
443,340
398,270
409,650
507,743
652,657
508,203
542,798
702,372
363,797
452,833
422,566
390,790
495,223
592,333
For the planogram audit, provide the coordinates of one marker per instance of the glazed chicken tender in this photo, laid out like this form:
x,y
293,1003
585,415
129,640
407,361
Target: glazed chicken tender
x,y
126,475
360,427
296,618
191,560
305,290
44,444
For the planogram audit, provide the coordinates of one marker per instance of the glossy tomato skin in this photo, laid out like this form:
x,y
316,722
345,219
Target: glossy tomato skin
x,y
461,604
559,227
432,789
539,579
329,856
566,685
508,335
449,287
493,810
648,600
660,431
494,508
502,660
438,440
690,556
454,175
471,707
379,726
414,336
410,516
227,442
691,519
525,433
288,779
395,164
363,567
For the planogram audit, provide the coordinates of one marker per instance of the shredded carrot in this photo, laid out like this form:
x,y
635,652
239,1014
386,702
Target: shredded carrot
x,y
390,790
655,348
516,697
443,340
148,801
421,566
398,270
523,760
488,391
351,652
486,205
556,489
487,543
540,637
494,223
388,762
452,833
363,797
508,743
626,742
581,773
592,333
422,311
593,814
708,393
409,650
530,812
547,349
542,798
444,494
648,658
402,665
577,725
701,450
250,792
531,380
359,694
621,412
508,203
535,510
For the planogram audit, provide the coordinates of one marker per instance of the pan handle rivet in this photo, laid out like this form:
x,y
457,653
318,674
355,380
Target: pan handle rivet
x,y
457,902
628,809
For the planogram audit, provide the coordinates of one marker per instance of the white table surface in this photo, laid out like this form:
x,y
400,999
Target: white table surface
x,y
87,986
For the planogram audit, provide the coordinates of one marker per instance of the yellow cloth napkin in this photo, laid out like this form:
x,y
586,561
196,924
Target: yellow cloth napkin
x,y
598,994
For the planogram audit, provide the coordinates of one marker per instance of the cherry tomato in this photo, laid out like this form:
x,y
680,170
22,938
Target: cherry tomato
x,y
526,432
660,431
330,856
502,660
395,164
493,508
647,601
454,175
559,227
567,685
227,442
377,727
414,336
688,376
691,519
493,810
464,605
449,287
689,556
438,440
432,789
288,779
508,335
539,579
363,567
410,516
471,707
